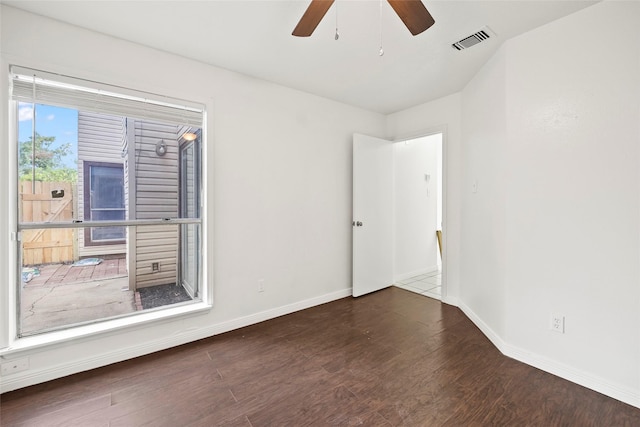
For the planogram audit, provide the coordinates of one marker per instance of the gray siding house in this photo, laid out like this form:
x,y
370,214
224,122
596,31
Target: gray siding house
x,y
130,169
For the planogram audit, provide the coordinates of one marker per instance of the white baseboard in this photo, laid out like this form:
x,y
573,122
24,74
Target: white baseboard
x,y
36,376
451,301
615,391
414,273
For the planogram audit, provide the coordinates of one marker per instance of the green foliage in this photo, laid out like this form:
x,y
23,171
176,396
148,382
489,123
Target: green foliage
x,y
49,164
54,175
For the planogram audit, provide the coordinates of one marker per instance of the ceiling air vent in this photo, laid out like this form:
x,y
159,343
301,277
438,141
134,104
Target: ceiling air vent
x,y
472,40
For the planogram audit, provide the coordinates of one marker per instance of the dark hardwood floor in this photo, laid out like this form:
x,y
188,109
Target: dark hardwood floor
x,y
389,358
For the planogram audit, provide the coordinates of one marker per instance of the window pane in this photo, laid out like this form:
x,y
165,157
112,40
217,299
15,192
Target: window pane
x,y
107,214
60,290
105,202
94,166
190,257
107,187
107,233
52,155
189,180
47,164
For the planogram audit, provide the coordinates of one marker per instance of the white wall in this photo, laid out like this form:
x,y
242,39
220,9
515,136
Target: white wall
x,y
483,208
572,230
550,135
416,205
549,131
279,175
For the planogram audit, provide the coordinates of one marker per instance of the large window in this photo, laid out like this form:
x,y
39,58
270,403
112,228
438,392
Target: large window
x,y
109,206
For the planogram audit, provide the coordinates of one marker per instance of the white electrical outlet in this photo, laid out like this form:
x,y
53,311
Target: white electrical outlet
x,y
557,323
14,366
261,285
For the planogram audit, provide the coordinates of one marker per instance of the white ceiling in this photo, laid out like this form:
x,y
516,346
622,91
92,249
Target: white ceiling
x,y
254,38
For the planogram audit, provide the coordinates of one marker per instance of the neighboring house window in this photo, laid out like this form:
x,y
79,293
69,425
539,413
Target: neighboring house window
x,y
109,202
104,201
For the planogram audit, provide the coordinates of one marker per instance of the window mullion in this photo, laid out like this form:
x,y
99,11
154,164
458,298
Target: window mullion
x,y
124,223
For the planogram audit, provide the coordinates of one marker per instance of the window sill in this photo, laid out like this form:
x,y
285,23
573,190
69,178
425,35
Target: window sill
x,y
91,331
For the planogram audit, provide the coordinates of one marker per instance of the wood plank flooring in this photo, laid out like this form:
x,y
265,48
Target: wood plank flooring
x,y
385,359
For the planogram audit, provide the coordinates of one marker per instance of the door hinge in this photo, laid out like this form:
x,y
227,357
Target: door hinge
x,y
16,236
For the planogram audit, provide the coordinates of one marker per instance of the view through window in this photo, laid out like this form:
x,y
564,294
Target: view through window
x,y
109,204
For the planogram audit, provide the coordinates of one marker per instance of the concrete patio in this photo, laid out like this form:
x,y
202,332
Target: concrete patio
x,y
65,295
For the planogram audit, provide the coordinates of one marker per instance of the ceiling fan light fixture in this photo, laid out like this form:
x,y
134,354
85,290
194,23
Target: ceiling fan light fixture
x,y
312,17
413,14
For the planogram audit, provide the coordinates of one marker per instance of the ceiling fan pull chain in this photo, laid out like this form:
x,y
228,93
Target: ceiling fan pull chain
x,y
337,33
381,52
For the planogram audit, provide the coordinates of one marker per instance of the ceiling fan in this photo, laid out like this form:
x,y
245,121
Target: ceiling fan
x,y
412,12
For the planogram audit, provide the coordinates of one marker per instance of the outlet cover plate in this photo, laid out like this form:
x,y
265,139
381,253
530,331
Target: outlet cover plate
x,y
557,323
14,366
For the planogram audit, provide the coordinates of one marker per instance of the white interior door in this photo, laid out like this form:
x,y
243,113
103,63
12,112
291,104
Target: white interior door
x,y
372,214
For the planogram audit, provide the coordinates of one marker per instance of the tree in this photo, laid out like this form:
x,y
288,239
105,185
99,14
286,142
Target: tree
x,y
48,165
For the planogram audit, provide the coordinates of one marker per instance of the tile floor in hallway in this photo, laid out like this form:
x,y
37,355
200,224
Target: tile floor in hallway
x,y
428,284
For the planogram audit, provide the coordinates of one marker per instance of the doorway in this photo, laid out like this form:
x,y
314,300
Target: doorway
x,y
418,202
398,205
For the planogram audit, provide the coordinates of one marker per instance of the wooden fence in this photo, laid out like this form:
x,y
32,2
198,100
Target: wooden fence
x,y
45,202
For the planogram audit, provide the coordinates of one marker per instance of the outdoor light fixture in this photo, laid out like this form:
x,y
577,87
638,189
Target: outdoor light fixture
x,y
188,136
161,148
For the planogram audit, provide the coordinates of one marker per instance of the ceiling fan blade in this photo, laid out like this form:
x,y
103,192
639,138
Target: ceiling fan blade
x,y
312,17
414,15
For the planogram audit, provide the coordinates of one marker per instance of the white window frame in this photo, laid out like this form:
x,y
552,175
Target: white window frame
x,y
9,340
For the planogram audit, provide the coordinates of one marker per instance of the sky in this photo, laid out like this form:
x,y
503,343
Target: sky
x,y
59,122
